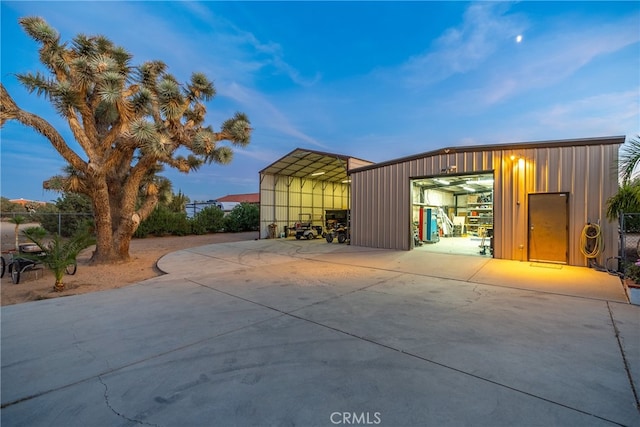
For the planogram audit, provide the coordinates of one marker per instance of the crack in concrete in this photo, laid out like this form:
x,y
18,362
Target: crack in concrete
x,y
624,357
106,388
106,401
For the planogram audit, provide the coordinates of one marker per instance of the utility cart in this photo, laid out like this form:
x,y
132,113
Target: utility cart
x,y
305,228
18,264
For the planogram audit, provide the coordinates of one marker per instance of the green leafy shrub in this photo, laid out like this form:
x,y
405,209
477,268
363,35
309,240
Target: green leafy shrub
x,y
69,214
244,217
632,222
162,222
7,207
37,232
208,220
632,271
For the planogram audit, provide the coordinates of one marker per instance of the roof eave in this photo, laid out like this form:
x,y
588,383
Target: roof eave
x,y
606,140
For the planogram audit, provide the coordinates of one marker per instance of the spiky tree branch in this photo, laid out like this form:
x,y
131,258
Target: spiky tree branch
x,y
129,121
10,111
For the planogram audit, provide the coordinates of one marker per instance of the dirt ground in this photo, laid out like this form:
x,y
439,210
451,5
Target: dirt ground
x,y
144,255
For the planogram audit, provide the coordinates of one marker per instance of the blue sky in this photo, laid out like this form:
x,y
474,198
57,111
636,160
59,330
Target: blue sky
x,y
373,80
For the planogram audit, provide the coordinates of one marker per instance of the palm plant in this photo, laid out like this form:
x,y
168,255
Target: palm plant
x,y
58,254
627,199
18,220
629,159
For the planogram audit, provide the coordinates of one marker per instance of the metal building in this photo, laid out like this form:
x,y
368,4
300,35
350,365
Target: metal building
x,y
539,197
303,183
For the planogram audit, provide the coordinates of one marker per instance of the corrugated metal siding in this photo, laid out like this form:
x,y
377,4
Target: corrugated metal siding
x,y
284,198
381,199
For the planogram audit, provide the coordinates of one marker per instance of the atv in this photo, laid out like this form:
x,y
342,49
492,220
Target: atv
x,y
339,231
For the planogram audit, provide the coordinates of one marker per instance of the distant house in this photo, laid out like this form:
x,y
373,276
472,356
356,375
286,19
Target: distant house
x,y
25,202
226,203
230,201
240,198
29,205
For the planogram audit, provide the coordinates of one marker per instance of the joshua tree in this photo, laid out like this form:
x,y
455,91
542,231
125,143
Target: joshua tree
x,y
129,121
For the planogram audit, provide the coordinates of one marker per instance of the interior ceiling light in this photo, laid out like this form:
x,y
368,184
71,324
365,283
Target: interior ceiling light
x,y
481,182
442,181
346,181
317,173
468,188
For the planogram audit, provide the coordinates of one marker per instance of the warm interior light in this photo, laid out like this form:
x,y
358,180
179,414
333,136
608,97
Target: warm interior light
x,y
441,181
317,173
481,181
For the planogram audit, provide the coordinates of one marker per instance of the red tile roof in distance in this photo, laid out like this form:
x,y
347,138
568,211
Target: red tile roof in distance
x,y
247,198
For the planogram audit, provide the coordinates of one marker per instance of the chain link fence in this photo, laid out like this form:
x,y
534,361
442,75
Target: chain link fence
x,y
194,208
629,246
62,223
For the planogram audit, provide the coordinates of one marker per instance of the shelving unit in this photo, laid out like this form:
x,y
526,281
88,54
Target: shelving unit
x,y
482,206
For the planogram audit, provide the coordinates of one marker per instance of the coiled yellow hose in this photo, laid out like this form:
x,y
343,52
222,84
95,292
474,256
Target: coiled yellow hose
x,y
591,233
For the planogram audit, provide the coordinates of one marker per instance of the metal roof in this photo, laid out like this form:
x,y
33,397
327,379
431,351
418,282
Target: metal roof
x,y
318,165
504,146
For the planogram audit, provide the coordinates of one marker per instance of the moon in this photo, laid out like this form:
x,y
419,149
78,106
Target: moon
x,y
518,38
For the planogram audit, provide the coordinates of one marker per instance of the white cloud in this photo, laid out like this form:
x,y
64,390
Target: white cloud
x,y
460,49
260,110
611,113
546,60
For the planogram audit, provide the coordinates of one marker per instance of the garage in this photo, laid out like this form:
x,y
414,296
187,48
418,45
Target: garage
x,y
454,214
526,201
304,190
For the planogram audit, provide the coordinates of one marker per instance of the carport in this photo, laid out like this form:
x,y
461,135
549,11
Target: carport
x,y
303,182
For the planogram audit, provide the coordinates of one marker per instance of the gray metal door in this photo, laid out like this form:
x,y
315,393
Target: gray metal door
x,y
549,227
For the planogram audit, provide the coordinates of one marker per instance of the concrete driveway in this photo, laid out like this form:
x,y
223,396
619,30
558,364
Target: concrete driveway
x,y
285,332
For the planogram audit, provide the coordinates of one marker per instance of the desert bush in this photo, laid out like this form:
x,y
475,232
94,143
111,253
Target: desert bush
x,y
69,215
163,222
208,220
632,271
7,207
243,217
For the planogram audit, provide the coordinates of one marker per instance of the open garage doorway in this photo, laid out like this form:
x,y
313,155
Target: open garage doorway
x,y
453,214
